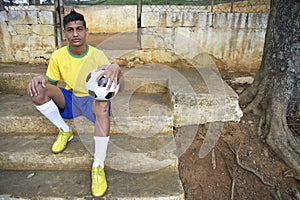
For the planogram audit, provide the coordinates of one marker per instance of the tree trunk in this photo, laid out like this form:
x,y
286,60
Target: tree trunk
x,y
274,94
1,5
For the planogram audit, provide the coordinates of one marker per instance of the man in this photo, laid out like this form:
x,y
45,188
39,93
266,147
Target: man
x,y
72,64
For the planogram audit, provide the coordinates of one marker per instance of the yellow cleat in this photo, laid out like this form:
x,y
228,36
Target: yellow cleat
x,y
61,141
99,184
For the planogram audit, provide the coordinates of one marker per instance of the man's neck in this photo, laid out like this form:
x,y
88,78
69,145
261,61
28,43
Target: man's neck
x,y
78,50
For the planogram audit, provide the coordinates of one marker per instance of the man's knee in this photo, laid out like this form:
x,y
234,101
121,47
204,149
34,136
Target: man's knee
x,y
41,98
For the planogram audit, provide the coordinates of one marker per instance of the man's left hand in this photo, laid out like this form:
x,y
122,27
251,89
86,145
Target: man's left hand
x,y
111,71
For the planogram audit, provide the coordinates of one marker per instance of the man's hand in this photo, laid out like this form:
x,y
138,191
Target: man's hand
x,y
32,88
111,71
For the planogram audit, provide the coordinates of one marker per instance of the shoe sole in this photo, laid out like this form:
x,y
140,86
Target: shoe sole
x,y
99,196
56,152
102,195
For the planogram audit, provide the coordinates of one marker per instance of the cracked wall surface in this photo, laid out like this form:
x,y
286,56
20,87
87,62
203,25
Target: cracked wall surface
x,y
27,35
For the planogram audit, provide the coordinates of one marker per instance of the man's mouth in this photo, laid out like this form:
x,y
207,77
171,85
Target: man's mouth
x,y
76,40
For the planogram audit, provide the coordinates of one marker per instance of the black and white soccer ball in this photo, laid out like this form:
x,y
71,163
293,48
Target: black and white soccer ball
x,y
93,86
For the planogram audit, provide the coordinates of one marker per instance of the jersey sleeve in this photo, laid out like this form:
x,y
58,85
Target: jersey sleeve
x,y
53,73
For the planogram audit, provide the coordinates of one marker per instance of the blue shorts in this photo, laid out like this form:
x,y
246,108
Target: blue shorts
x,y
76,106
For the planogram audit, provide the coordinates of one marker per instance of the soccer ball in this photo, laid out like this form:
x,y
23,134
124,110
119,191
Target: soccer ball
x,y
93,86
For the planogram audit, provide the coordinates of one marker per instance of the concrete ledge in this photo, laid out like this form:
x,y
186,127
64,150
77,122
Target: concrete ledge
x,y
156,94
125,153
163,184
197,94
134,113
15,77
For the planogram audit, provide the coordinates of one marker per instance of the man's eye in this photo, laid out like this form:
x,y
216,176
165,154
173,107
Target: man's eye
x,y
80,29
69,30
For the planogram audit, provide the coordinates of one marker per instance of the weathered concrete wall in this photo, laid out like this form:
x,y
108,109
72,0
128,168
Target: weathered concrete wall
x,y
26,36
237,39
109,19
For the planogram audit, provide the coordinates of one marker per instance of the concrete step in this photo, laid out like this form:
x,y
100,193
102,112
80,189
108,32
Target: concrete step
x,y
196,95
15,77
125,153
36,184
131,113
136,168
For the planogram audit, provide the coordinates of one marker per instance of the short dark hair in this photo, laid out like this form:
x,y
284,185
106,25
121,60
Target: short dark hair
x,y
74,16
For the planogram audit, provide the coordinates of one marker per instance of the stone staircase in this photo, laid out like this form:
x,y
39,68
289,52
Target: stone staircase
x,y
147,122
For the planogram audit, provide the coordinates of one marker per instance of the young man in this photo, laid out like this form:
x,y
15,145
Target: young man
x,y
72,64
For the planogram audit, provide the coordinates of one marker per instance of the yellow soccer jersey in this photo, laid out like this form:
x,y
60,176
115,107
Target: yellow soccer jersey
x,y
72,69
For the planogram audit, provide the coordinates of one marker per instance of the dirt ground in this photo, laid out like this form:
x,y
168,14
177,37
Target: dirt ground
x,y
241,167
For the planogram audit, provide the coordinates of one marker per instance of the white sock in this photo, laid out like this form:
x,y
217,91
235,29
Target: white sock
x,y
101,144
51,111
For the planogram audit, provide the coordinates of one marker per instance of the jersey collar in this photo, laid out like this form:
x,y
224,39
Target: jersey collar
x,y
79,56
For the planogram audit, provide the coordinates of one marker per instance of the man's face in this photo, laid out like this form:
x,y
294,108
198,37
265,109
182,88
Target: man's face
x,y
76,33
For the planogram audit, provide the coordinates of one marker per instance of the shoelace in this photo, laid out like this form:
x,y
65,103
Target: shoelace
x,y
61,135
99,174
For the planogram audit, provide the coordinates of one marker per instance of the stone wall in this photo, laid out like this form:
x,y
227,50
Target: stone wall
x,y
235,39
109,19
26,35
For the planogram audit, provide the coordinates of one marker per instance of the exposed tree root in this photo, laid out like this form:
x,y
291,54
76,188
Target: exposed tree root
x,y
281,139
256,173
261,123
291,174
231,176
247,96
253,92
232,189
232,182
213,159
251,99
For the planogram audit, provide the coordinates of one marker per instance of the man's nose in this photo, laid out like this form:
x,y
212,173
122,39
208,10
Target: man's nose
x,y
75,33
